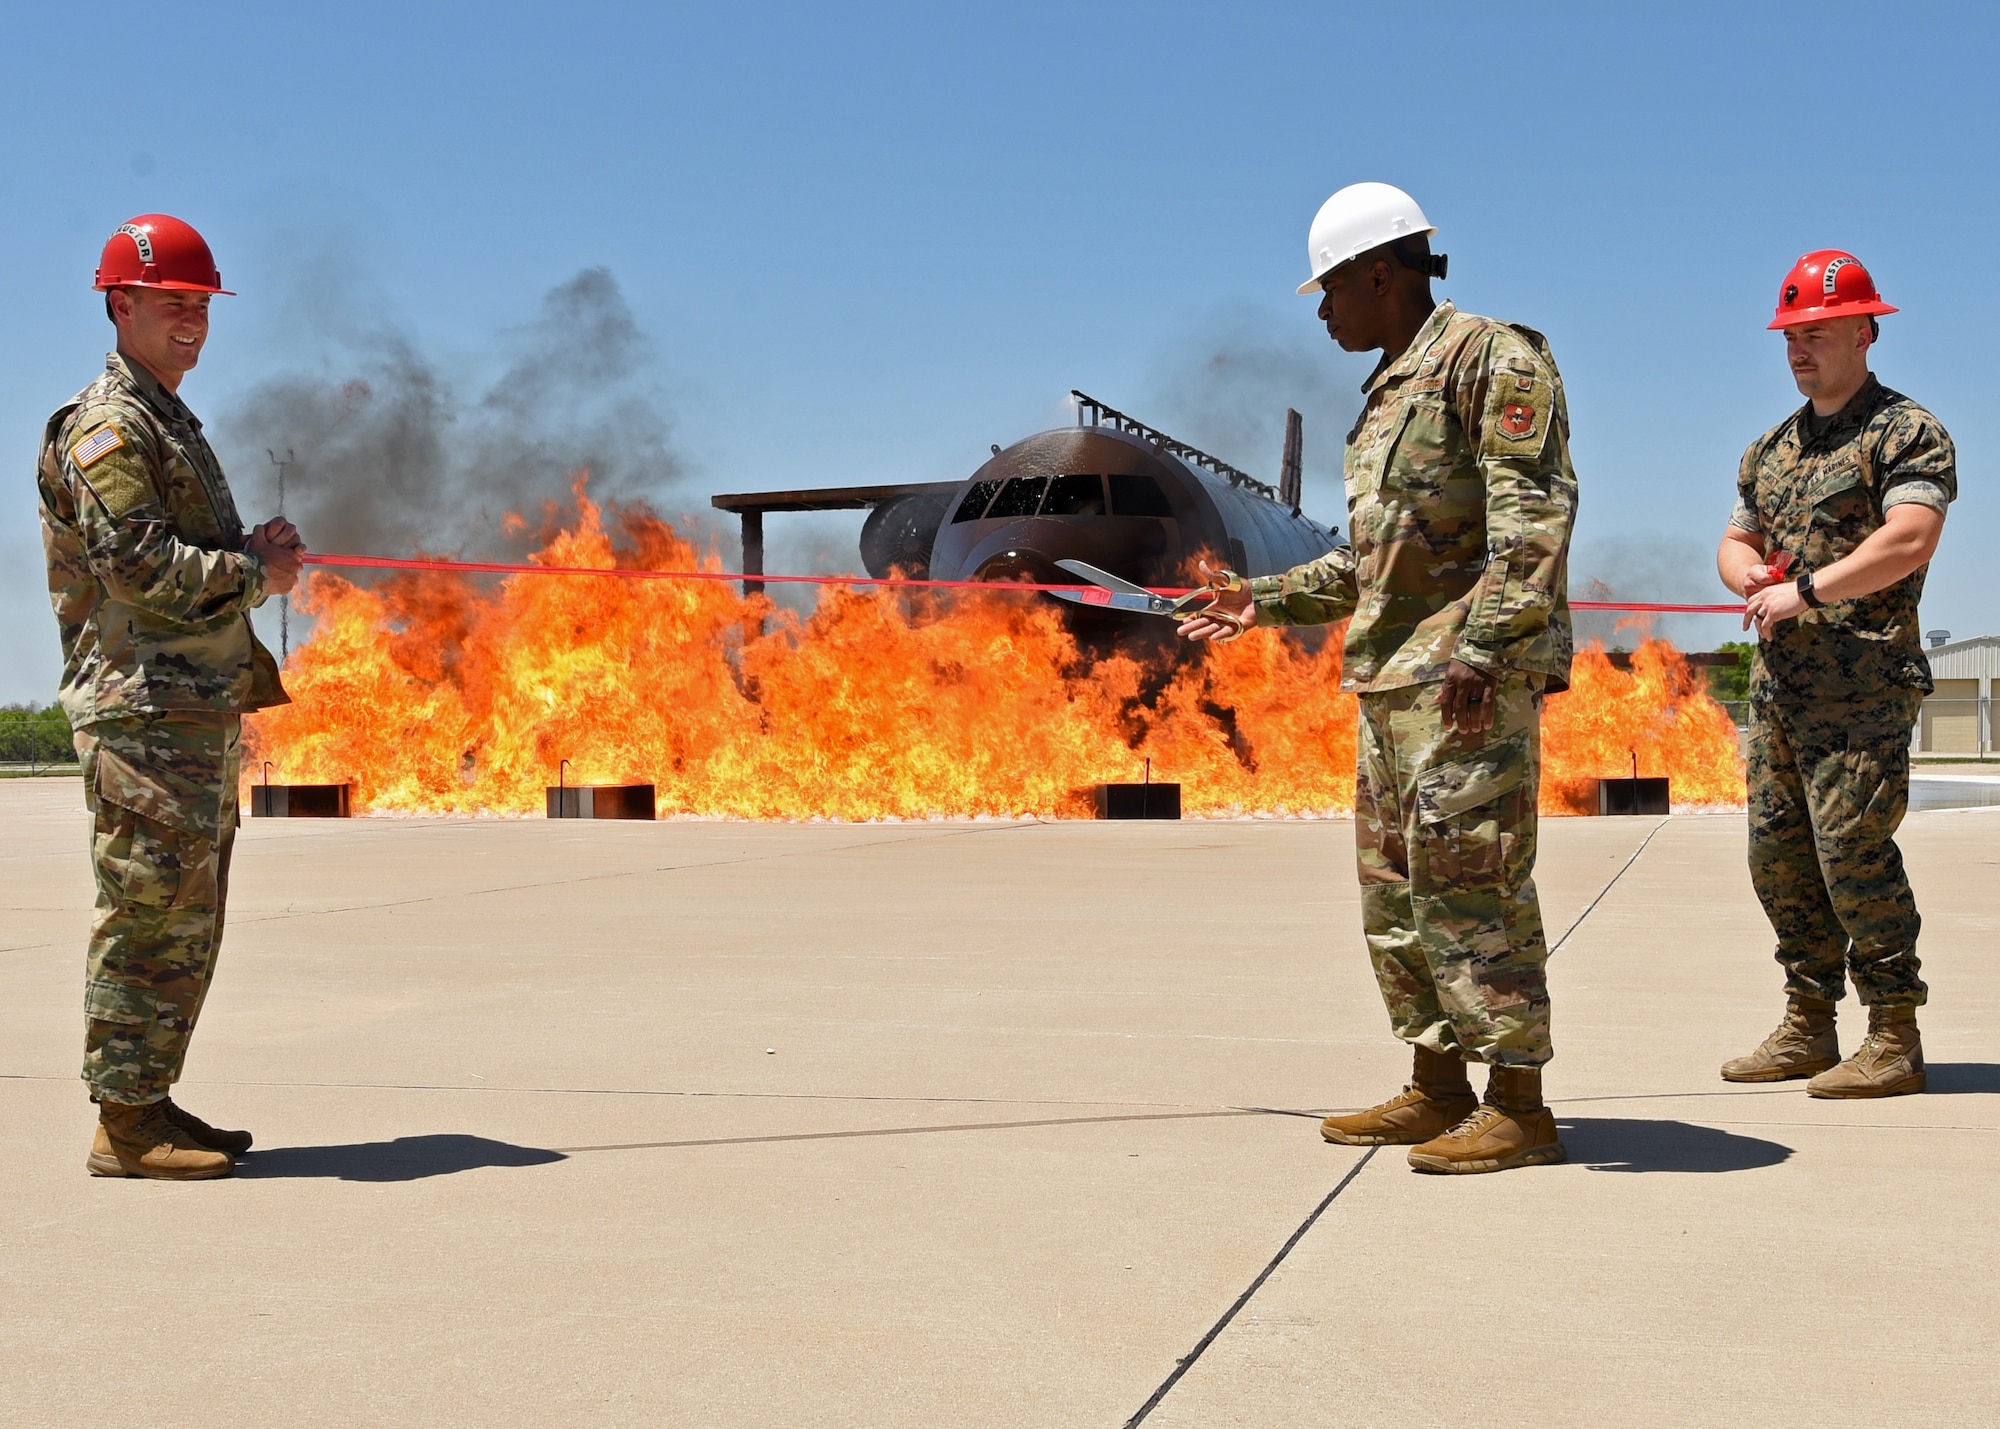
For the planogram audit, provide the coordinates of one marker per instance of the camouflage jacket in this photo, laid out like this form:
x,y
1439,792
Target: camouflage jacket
x,y
1460,497
147,573
1819,495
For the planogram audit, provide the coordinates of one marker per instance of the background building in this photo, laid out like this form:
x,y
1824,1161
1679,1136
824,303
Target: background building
x,y
1957,718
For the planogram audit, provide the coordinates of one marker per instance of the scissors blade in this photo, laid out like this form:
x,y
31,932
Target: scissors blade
x,y
1103,578
1145,604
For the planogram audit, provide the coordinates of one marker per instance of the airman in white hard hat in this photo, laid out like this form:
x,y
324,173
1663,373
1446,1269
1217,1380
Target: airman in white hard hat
x,y
1460,500
1365,216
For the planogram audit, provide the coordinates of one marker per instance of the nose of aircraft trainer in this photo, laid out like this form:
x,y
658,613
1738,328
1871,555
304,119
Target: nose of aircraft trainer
x,y
1116,501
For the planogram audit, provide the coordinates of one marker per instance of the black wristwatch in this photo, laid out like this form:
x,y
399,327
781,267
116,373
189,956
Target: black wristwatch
x,y
1807,593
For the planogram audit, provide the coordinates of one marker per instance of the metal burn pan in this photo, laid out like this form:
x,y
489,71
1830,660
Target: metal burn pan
x,y
600,801
1633,796
1138,801
302,801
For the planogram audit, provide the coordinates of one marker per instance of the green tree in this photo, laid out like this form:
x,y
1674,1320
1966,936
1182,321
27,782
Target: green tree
x,y
35,735
1731,682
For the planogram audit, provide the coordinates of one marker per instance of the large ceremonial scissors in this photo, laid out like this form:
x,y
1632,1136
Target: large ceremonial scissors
x,y
1108,591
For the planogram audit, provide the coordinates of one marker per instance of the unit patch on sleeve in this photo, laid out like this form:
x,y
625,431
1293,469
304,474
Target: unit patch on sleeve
x,y
1517,420
99,443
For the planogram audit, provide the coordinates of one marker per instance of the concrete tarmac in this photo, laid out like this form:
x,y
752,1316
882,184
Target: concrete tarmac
x,y
973,1124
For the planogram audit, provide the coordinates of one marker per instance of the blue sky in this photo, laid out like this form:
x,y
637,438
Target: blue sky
x,y
864,242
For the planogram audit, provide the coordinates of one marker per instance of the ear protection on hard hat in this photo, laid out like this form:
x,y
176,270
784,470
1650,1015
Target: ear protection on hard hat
x,y
1431,265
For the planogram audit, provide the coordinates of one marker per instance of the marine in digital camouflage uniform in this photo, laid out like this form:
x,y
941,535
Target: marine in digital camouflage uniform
x,y
151,584
1460,498
1835,689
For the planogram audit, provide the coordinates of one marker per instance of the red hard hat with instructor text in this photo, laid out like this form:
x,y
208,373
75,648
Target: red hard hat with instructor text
x,y
156,250
1827,284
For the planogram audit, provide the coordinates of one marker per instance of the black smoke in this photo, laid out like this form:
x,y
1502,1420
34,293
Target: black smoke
x,y
1666,568
391,456
1225,388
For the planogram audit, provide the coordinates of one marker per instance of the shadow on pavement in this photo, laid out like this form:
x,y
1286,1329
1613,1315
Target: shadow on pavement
x,y
1608,1144
1958,1078
407,1158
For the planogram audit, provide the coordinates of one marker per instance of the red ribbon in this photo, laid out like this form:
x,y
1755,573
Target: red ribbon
x,y
1656,605
503,568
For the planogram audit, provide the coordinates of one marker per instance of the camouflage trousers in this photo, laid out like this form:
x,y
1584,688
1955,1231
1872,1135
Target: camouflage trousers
x,y
1444,830
1829,784
162,796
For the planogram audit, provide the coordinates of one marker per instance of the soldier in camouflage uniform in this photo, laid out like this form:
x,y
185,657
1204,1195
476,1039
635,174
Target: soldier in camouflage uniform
x,y
152,574
1460,498
1847,497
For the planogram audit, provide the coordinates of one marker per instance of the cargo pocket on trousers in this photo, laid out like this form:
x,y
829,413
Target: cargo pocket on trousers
x,y
1467,809
128,1006
155,831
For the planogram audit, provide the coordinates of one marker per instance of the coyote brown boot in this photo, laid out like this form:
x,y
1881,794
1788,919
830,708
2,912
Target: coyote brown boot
x,y
1888,1063
1804,1045
1510,1128
1437,1098
214,1138
144,1141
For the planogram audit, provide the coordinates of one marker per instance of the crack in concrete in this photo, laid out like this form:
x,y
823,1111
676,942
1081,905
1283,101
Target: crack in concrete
x,y
674,1092
1186,1362
1606,889
906,1130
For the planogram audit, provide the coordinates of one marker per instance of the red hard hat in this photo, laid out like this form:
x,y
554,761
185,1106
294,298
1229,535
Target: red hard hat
x,y
158,251
1827,284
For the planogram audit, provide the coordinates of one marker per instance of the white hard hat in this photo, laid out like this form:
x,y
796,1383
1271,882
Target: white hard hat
x,y
1358,218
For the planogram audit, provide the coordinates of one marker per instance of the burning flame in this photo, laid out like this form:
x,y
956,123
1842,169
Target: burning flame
x,y
433,694
1655,719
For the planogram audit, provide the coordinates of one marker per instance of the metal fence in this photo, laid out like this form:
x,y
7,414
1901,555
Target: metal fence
x,y
29,745
1945,726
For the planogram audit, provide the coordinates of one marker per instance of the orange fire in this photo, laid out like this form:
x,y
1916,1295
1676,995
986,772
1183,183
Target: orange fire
x,y
433,694
1655,718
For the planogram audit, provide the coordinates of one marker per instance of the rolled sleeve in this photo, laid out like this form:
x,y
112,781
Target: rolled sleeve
x,y
1917,449
1921,492
1744,517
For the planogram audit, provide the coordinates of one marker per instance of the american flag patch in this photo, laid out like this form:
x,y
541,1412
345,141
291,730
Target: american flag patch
x,y
104,439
